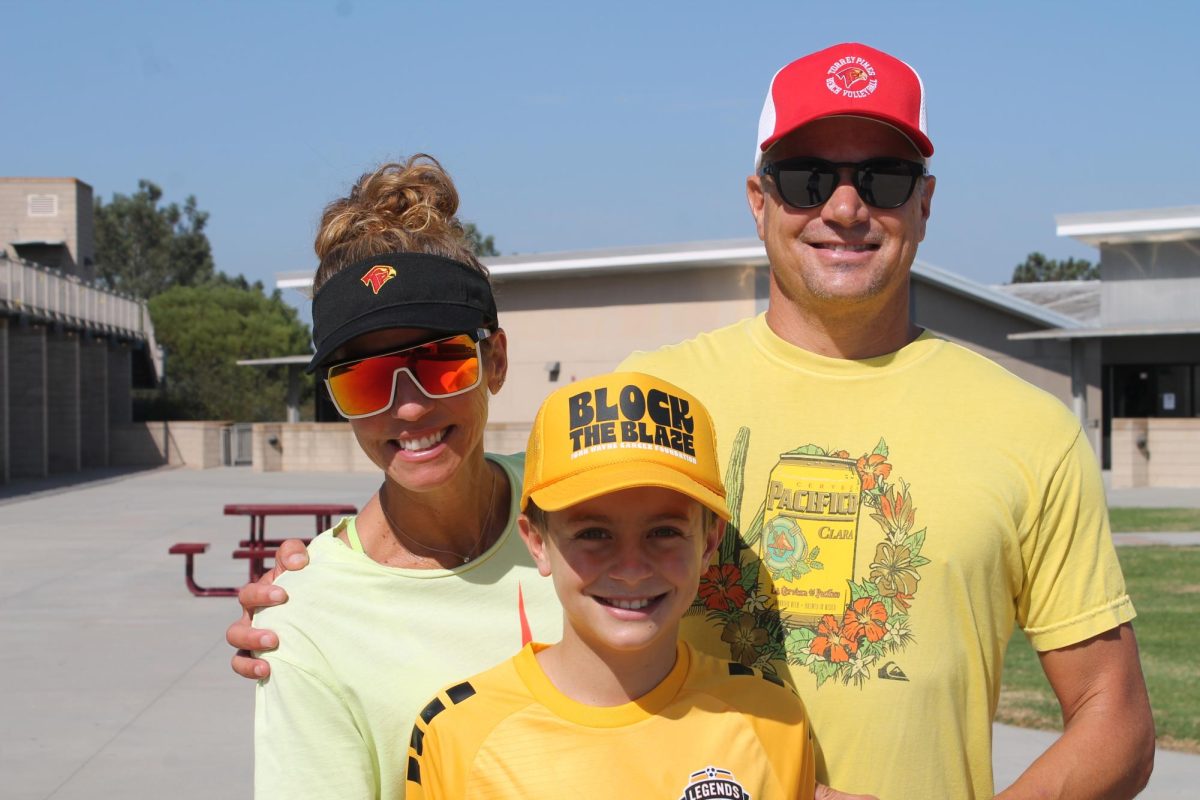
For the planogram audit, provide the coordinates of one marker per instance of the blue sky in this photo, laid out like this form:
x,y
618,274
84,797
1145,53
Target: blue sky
x,y
579,125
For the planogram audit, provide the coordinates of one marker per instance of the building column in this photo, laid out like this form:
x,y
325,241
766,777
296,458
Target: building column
x,y
293,393
62,402
93,402
1079,384
120,383
27,435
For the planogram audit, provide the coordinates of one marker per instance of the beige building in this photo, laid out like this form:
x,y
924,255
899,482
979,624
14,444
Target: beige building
x,y
49,221
69,350
1143,345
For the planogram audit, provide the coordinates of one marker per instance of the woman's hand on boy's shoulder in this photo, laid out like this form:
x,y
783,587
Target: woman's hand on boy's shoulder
x,y
825,793
263,593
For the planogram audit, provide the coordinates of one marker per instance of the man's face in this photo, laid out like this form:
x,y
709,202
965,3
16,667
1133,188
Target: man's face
x,y
842,253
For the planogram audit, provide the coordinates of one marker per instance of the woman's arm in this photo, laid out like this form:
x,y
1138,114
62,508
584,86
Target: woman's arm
x,y
306,741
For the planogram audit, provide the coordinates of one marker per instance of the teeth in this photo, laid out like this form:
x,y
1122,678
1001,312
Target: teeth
x,y
423,442
849,248
630,605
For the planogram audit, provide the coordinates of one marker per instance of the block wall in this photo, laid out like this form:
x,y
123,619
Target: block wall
x,y
4,384
62,402
120,385
27,436
93,402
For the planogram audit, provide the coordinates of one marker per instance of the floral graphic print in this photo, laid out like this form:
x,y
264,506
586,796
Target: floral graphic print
x,y
737,597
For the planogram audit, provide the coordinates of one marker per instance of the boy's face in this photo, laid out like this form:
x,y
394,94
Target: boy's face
x,y
625,565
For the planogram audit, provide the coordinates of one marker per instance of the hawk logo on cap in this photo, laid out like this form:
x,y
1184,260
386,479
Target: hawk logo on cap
x,y
377,276
851,76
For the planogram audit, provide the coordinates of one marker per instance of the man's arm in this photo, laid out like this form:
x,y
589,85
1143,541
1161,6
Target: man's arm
x,y
242,635
1107,746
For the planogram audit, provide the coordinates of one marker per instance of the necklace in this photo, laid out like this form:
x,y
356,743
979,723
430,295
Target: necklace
x,y
487,522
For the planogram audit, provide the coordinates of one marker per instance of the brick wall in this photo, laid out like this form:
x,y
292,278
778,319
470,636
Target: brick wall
x,y
93,402
62,402
4,459
27,401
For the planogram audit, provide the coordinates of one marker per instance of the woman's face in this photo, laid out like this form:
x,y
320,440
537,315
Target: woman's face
x,y
420,442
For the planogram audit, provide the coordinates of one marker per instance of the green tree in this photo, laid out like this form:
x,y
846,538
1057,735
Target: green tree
x,y
206,329
1037,268
482,245
143,248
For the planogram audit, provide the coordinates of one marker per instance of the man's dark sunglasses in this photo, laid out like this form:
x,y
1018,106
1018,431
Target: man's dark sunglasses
x,y
808,182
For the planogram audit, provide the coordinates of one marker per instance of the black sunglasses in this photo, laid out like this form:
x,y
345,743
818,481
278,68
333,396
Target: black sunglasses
x,y
881,182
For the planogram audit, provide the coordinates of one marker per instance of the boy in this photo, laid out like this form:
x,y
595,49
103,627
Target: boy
x,y
620,505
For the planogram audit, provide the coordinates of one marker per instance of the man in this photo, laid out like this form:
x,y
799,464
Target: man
x,y
901,501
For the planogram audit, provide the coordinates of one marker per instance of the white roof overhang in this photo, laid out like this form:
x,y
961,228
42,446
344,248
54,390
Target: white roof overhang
x,y
1122,227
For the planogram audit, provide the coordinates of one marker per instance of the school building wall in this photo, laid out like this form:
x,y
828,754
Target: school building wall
x,y
590,323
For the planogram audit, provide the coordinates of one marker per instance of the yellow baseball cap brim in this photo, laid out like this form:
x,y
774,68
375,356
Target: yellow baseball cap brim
x,y
614,477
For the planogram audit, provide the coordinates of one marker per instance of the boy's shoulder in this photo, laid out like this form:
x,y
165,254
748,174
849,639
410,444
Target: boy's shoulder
x,y
476,704
746,689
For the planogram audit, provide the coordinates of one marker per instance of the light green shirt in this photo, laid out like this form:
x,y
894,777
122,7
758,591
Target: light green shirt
x,y
364,646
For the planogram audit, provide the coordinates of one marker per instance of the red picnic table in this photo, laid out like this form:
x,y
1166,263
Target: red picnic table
x,y
322,513
258,548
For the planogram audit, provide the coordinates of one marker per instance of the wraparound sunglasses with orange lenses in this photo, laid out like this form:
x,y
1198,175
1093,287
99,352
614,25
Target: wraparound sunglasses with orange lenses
x,y
442,368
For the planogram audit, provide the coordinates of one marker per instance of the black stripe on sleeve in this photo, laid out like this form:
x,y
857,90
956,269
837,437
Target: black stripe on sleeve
x,y
775,679
414,771
460,692
739,669
434,708
417,742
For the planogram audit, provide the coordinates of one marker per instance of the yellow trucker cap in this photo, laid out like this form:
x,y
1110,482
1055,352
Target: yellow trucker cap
x,y
618,431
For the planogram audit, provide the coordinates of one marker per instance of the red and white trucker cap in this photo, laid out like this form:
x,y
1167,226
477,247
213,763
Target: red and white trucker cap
x,y
845,80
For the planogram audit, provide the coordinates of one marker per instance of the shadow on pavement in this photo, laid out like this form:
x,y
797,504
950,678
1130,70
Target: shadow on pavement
x,y
29,488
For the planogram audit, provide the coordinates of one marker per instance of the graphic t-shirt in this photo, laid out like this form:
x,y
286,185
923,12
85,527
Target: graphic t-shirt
x,y
897,517
363,646
711,729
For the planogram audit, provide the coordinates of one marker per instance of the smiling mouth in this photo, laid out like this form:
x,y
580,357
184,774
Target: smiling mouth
x,y
629,603
845,248
419,443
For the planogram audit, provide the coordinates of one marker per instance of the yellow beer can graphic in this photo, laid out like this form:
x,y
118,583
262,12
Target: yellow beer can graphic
x,y
810,526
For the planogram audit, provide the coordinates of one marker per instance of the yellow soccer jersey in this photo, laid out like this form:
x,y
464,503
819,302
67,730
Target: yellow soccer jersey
x,y
711,729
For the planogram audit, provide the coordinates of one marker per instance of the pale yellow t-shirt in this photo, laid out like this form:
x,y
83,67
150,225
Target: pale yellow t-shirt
x,y
363,646
710,729
899,515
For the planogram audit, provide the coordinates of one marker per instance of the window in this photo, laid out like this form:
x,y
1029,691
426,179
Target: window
x,y
1160,390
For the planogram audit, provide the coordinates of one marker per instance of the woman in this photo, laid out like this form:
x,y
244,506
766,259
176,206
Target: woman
x,y
430,580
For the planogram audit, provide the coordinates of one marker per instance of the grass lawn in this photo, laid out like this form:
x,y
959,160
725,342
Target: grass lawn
x,y
1164,583
1133,520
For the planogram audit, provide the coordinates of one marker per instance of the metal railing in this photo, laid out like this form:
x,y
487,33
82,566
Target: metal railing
x,y
49,295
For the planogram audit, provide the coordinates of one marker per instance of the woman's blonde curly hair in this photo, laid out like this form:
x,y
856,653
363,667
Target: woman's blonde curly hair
x,y
404,207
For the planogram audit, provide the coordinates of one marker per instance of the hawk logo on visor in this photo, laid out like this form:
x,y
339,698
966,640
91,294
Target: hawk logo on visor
x,y
377,276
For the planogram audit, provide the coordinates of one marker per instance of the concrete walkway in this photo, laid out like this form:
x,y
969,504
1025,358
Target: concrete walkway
x,y
1170,539
114,680
1152,497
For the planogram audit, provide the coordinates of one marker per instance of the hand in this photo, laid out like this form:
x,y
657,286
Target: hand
x,y
825,793
291,555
